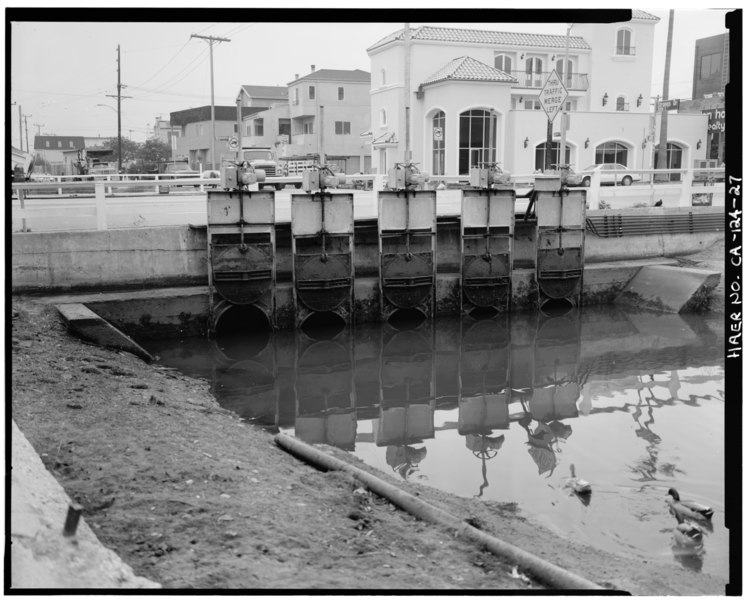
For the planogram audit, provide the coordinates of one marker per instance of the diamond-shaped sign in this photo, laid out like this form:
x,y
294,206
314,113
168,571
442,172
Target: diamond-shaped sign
x,y
553,95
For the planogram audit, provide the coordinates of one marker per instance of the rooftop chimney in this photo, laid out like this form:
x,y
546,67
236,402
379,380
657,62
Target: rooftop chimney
x,y
296,75
313,68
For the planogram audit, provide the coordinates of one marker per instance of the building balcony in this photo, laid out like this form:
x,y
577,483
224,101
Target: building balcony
x,y
526,79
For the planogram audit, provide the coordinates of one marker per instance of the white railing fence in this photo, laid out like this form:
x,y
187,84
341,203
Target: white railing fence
x,y
694,187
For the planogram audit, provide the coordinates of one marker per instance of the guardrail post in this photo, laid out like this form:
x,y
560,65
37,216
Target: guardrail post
x,y
687,178
594,191
157,187
22,200
100,206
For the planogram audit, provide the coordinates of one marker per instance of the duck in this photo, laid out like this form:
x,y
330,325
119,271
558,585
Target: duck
x,y
687,508
687,534
579,486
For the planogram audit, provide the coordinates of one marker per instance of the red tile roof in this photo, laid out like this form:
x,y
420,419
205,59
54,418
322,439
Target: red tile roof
x,y
466,68
478,36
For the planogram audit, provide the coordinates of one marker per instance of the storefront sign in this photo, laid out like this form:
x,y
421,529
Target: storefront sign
x,y
715,119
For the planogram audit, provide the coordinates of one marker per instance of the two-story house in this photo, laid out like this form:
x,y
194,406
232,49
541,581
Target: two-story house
x,y
328,110
194,141
473,97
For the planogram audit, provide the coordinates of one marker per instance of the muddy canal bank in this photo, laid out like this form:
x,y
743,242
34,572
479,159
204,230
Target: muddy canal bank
x,y
191,497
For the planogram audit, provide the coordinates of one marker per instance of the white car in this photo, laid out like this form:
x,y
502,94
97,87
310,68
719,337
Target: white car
x,y
611,173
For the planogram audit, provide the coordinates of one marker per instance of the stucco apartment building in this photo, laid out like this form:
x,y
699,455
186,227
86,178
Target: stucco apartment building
x,y
711,75
194,125
473,97
326,112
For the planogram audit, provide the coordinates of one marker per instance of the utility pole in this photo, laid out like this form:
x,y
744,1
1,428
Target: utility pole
x,y
566,77
663,142
25,123
407,92
38,128
211,40
119,98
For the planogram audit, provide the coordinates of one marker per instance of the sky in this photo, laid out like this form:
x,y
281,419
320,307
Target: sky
x,y
63,72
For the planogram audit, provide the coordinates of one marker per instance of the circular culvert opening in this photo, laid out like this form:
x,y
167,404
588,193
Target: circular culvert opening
x,y
483,312
323,325
556,307
405,319
242,331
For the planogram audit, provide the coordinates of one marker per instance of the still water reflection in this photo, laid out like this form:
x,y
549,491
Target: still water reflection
x,y
500,408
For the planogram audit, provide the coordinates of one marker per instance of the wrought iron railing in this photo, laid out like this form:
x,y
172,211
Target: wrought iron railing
x,y
578,81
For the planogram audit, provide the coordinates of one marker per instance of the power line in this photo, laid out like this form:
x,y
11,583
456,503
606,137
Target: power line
x,y
172,80
168,63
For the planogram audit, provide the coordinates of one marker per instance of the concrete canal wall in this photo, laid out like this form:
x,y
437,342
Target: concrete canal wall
x,y
116,259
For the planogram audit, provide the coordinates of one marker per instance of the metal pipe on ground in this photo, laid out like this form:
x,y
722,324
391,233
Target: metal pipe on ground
x,y
544,571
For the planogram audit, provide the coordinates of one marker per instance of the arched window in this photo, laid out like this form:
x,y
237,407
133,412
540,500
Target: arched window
x,y
561,71
624,42
477,139
553,154
439,143
383,117
621,103
383,76
503,63
533,72
612,152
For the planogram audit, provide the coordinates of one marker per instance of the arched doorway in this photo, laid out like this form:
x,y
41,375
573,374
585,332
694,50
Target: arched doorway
x,y
554,152
674,160
477,139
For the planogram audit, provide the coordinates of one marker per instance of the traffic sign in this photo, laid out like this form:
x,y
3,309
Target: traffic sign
x,y
233,142
553,95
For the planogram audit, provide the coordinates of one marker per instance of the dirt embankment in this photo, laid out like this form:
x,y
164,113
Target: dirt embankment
x,y
191,497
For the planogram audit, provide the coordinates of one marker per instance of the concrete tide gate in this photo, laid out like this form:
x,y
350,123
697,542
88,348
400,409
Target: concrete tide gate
x,y
487,223
323,227
560,243
406,245
241,252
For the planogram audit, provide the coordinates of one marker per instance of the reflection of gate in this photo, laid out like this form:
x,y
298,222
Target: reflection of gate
x,y
407,386
323,271
560,244
325,391
484,373
406,238
487,218
556,357
241,251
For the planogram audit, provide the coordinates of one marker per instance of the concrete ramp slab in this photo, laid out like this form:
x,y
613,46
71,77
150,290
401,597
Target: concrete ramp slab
x,y
86,324
669,289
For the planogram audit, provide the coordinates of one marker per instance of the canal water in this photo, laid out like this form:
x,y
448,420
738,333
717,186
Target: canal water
x,y
500,408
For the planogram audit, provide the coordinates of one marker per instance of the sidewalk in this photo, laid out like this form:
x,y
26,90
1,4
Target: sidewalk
x,y
41,557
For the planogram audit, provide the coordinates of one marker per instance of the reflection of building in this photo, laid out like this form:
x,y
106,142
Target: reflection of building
x,y
474,97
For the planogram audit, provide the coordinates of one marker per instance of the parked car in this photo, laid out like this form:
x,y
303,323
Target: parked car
x,y
611,173
42,178
211,174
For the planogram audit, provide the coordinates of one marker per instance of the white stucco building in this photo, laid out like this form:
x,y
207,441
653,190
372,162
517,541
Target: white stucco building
x,y
473,97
